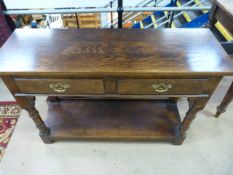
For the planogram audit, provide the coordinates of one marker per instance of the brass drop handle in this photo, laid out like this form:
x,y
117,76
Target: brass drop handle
x,y
59,87
161,87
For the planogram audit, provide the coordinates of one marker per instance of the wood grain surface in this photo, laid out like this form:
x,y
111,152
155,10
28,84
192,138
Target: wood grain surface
x,y
113,120
75,86
178,86
93,52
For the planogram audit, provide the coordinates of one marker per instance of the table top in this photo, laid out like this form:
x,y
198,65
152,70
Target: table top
x,y
110,52
227,6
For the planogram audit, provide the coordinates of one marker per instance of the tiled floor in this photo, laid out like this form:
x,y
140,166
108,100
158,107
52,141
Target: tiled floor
x,y
208,149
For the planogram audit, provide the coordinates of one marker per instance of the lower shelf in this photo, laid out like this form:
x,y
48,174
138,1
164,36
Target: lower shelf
x,y
139,120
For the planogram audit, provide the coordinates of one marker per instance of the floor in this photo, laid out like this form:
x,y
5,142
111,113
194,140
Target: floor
x,y
208,148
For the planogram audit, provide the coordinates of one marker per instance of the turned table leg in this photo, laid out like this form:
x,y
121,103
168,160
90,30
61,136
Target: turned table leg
x,y
195,105
225,102
28,103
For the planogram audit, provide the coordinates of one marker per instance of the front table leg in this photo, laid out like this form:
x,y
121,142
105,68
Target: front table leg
x,y
195,105
28,103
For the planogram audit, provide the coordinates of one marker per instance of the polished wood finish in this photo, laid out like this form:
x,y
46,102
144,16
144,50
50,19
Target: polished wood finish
x,y
114,120
222,11
115,65
120,53
75,86
110,86
177,86
226,6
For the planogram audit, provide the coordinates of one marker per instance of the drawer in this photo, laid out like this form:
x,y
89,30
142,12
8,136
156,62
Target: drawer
x,y
162,86
60,86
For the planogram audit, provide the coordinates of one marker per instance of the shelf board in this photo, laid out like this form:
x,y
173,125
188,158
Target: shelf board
x,y
132,120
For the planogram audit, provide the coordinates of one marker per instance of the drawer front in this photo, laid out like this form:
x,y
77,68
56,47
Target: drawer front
x,y
162,86
61,86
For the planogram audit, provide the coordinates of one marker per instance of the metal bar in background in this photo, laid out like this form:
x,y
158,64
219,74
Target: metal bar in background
x,y
154,9
177,15
104,10
160,19
131,13
76,16
171,14
120,13
156,3
111,3
60,11
144,5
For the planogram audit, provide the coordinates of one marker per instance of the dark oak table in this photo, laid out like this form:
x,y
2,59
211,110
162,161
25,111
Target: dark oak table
x,y
222,10
111,84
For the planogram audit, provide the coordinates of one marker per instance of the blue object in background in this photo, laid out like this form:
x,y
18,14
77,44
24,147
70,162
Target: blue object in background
x,y
33,24
198,22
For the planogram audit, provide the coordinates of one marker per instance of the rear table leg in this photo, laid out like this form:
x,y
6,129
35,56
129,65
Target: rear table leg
x,y
225,102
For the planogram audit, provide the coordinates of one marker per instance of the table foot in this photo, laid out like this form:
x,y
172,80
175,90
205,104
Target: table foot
x,y
220,110
179,140
46,139
225,102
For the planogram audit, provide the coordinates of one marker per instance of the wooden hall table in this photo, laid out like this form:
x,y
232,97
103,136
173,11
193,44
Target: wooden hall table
x,y
117,76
